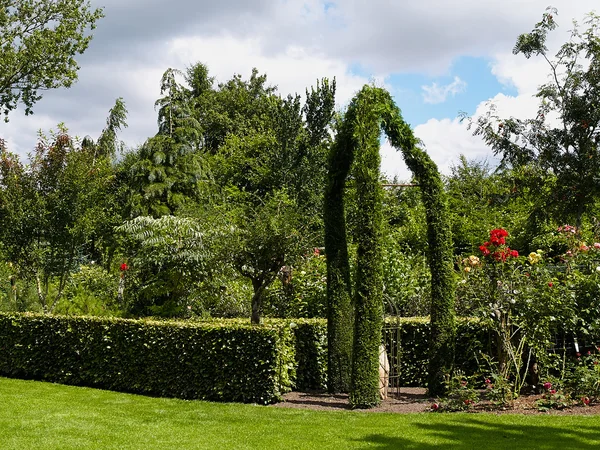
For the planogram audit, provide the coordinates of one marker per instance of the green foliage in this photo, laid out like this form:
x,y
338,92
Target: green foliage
x,y
268,158
38,44
50,209
339,289
472,342
581,377
300,291
559,145
363,120
168,172
358,138
211,361
168,257
108,145
499,390
552,399
479,199
261,240
460,394
527,300
91,291
311,354
406,279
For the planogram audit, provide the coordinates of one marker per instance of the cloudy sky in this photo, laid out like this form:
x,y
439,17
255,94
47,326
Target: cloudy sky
x,y
435,56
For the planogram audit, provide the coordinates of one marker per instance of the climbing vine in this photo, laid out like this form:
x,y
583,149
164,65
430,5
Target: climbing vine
x,y
355,357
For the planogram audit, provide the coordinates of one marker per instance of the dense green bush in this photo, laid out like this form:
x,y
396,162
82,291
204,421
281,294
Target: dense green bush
x,y
472,341
225,361
311,354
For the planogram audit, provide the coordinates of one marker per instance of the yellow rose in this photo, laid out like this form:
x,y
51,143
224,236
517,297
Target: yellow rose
x,y
473,260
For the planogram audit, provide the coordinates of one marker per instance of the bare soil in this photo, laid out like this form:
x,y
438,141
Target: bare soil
x,y
415,400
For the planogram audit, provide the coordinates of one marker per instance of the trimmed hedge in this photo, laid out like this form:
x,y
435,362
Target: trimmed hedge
x,y
310,350
221,361
472,339
414,336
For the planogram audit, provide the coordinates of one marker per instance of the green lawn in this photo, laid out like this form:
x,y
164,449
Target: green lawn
x,y
36,415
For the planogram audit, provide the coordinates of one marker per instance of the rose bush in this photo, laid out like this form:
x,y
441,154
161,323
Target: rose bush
x,y
524,300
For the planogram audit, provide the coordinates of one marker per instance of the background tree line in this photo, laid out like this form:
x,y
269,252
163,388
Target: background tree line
x,y
220,212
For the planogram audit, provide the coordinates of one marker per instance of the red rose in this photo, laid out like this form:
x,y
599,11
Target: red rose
x,y
514,253
124,267
550,284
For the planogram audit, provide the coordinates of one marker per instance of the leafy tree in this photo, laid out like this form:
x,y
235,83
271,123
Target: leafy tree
x,y
168,172
236,108
39,40
481,200
560,145
272,159
102,243
262,238
49,209
167,258
108,145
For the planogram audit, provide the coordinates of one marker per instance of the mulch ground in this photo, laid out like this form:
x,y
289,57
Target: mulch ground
x,y
415,400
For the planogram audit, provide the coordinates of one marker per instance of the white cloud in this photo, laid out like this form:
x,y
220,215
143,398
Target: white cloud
x,y
446,139
438,94
295,42
293,70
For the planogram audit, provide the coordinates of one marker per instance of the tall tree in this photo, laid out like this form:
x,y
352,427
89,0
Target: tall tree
x,y
273,151
49,209
560,145
39,40
169,170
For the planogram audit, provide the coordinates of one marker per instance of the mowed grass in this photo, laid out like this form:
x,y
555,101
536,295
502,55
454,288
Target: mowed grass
x,y
36,415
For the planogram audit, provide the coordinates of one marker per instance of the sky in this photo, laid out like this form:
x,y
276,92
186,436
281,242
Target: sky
x,y
437,58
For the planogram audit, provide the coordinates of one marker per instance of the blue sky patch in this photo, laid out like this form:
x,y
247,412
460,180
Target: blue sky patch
x,y
408,92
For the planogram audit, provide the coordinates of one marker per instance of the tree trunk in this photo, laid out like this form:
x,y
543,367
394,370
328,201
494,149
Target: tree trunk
x,y
41,296
259,287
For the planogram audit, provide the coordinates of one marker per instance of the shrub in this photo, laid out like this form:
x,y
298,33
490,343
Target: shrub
x,y
224,361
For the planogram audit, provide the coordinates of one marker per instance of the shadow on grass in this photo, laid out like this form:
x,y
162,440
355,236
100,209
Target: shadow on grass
x,y
485,435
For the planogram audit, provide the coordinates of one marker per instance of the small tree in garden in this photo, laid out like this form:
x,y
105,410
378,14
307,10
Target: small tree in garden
x,y
260,240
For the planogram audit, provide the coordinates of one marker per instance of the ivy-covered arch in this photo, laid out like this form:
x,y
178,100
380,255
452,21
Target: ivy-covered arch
x,y
355,316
